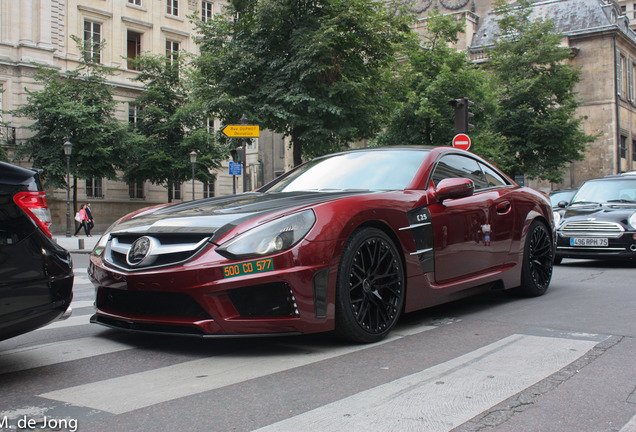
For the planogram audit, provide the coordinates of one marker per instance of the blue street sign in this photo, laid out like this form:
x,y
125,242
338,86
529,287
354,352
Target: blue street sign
x,y
235,168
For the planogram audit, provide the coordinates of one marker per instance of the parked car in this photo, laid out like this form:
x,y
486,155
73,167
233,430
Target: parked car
x,y
600,221
36,275
561,198
347,241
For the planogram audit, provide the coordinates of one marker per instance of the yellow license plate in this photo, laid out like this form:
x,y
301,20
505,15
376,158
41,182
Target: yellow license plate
x,y
258,266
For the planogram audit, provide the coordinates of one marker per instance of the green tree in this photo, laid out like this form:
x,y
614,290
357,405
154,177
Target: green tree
x,y
537,115
77,106
172,125
313,70
435,74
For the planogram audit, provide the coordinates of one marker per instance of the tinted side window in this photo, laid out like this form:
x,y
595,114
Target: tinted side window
x,y
450,166
493,178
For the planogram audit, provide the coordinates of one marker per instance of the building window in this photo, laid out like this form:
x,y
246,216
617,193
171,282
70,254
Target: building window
x,y
621,75
623,9
630,81
172,7
634,151
172,51
623,147
136,189
135,2
176,191
133,47
207,10
92,41
133,113
208,189
94,187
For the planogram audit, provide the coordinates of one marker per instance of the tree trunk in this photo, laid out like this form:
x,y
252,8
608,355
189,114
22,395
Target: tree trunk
x,y
296,146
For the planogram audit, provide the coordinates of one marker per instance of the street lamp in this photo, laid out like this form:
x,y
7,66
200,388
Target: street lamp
x,y
193,160
68,149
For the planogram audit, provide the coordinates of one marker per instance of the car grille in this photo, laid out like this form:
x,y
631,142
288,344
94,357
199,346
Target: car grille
x,y
591,228
165,250
150,303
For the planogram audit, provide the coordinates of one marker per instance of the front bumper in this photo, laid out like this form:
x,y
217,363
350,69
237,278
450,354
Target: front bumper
x,y
197,298
620,247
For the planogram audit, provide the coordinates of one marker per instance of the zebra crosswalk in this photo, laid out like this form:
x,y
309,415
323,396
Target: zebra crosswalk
x,y
439,397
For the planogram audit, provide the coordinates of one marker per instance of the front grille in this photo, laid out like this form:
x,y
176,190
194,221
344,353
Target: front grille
x,y
591,228
166,250
149,303
268,300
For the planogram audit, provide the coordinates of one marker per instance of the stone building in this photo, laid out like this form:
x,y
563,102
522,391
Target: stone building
x,y
38,32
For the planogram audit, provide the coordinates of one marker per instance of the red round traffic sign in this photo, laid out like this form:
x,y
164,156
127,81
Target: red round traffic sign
x,y
461,141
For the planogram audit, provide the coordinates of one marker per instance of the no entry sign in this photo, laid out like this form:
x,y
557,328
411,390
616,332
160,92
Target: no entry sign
x,y
461,141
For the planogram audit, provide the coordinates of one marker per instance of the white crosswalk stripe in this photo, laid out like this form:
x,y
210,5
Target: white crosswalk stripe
x,y
131,392
445,396
56,352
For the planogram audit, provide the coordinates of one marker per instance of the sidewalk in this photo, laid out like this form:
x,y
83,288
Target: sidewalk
x,y
79,244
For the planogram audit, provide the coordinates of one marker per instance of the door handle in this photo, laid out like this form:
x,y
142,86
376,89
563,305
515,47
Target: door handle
x,y
503,207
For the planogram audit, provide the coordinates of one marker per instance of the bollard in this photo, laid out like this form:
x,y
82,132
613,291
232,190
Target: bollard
x,y
80,243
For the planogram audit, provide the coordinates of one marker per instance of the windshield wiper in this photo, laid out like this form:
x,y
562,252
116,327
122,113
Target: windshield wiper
x,y
621,201
585,202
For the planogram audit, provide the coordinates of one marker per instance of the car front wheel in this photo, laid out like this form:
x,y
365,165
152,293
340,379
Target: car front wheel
x,y
371,287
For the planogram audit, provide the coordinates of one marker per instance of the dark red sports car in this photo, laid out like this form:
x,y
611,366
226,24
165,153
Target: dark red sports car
x,y
347,241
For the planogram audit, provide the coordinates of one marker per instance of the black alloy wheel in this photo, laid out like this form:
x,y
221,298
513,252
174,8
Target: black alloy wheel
x,y
371,287
538,261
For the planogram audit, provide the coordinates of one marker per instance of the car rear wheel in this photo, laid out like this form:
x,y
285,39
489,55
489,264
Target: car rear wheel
x,y
370,288
536,271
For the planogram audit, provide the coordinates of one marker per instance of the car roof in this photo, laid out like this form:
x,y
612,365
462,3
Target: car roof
x,y
629,175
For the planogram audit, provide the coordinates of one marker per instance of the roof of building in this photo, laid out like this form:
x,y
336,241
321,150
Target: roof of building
x,y
571,17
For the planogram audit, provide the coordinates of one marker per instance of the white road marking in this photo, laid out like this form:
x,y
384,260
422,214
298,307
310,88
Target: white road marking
x,y
127,393
74,320
447,395
56,352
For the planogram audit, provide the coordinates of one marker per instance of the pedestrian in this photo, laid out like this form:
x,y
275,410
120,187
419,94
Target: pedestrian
x,y
82,220
90,223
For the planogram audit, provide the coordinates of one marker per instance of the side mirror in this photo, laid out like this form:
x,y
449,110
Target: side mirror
x,y
453,188
562,204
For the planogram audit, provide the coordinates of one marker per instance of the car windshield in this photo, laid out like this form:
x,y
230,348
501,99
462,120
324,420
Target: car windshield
x,y
359,170
613,191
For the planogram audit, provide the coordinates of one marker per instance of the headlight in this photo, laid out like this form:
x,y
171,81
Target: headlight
x,y
272,237
557,219
632,220
103,240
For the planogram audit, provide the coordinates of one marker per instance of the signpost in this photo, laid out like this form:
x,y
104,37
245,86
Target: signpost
x,y
461,141
241,131
235,168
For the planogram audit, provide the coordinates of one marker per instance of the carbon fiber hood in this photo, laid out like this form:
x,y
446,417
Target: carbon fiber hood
x,y
216,216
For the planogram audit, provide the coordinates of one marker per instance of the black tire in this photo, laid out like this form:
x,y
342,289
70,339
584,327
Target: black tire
x,y
370,289
536,271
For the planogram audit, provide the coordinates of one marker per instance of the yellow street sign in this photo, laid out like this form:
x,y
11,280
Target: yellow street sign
x,y
241,131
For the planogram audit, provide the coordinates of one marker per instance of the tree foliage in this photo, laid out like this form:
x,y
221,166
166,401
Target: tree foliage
x,y
172,126
77,106
435,74
316,71
537,104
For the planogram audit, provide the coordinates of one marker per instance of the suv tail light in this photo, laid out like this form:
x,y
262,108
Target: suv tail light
x,y
35,205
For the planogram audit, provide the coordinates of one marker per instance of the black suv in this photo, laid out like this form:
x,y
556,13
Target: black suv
x,y
600,220
36,275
